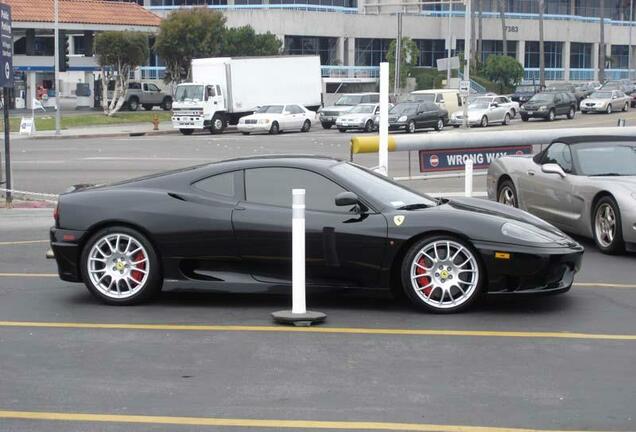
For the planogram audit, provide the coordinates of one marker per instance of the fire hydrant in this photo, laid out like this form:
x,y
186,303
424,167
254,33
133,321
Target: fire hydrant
x,y
155,122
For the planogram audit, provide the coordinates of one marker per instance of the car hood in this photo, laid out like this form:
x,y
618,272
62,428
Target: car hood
x,y
338,108
356,116
601,101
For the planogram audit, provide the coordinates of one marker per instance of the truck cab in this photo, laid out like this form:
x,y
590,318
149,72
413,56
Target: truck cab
x,y
198,106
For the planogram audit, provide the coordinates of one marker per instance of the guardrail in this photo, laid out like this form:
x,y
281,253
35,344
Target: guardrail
x,y
293,6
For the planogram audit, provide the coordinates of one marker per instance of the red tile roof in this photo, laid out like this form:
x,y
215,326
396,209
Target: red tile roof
x,y
83,12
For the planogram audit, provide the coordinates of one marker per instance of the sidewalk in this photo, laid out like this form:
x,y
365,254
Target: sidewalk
x,y
127,129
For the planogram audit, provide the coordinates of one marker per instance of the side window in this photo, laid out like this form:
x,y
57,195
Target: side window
x,y
459,100
134,86
374,98
218,90
377,110
220,184
439,98
500,100
558,98
559,154
273,186
152,87
294,109
210,91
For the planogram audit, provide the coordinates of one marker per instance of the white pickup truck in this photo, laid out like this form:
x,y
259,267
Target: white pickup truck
x,y
225,89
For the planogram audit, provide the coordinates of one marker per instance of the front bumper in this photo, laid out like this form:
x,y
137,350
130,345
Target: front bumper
x,y
328,119
460,121
349,125
534,114
188,122
595,108
530,269
66,245
249,128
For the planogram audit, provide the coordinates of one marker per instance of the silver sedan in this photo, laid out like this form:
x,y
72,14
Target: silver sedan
x,y
583,185
606,101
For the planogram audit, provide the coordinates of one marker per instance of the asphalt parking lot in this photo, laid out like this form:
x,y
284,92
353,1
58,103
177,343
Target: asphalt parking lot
x,y
200,360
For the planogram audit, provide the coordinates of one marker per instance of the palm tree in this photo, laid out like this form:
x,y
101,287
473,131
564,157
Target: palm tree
x,y
502,15
480,33
541,47
601,45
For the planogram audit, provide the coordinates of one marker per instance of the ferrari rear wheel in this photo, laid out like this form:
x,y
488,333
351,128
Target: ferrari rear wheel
x,y
120,266
608,233
442,274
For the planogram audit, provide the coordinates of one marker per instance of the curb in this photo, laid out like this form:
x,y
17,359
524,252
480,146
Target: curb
x,y
100,135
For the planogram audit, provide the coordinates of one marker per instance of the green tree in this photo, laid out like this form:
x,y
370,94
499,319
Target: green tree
x,y
244,41
186,34
118,53
503,70
409,54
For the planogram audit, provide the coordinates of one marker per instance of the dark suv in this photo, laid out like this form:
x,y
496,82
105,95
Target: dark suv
x,y
549,105
411,116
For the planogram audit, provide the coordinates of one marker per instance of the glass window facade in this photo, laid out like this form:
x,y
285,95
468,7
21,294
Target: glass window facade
x,y
193,2
580,55
371,52
495,47
340,3
325,47
620,57
430,50
553,54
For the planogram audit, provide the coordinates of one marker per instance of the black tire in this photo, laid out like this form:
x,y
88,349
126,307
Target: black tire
x,y
508,199
148,107
617,245
571,113
484,122
609,108
306,126
626,107
456,126
408,281
186,131
152,285
506,120
410,127
551,115
326,125
368,126
274,129
245,133
439,125
513,112
342,130
524,118
218,124
133,104
166,105
583,112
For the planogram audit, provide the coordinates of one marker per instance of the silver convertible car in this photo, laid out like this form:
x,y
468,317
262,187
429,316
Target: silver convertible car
x,y
583,185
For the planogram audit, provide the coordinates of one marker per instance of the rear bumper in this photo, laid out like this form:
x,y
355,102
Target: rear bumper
x,y
530,269
66,245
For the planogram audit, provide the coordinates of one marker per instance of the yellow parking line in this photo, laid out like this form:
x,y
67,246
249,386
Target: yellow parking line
x,y
323,330
22,242
256,423
29,275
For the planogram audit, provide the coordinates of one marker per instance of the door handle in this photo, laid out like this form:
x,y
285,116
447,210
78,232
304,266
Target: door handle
x,y
239,208
530,172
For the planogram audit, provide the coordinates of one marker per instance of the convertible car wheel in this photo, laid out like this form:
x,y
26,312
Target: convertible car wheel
x,y
507,194
608,234
441,274
120,266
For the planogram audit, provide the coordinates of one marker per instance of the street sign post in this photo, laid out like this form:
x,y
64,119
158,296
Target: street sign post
x,y
464,87
6,81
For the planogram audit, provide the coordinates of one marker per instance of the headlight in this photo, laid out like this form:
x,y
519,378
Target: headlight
x,y
264,121
402,119
520,232
543,108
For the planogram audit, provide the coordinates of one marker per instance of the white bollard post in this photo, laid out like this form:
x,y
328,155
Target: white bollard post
x,y
383,151
299,315
468,184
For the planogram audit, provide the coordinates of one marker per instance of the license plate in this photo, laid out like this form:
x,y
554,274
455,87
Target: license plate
x,y
530,112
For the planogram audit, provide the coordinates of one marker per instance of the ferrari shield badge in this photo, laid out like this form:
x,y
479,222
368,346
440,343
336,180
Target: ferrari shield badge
x,y
398,219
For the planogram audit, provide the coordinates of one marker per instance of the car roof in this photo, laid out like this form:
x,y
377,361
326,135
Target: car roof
x,y
594,138
359,94
432,91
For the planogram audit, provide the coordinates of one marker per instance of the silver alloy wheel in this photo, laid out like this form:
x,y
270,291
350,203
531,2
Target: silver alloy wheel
x,y
440,124
609,108
551,115
411,126
218,124
605,225
506,120
118,265
507,196
484,121
444,274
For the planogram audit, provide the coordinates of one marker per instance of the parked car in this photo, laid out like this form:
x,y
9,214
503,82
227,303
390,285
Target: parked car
x,y
582,185
568,88
503,101
226,226
447,99
588,88
606,101
411,116
329,114
548,106
625,86
277,118
145,94
523,93
484,111
361,117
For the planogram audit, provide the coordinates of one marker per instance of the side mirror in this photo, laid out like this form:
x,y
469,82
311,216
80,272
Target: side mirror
x,y
346,199
552,168
494,105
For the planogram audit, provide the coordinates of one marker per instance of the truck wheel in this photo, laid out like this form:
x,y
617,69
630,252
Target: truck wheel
x,y
306,126
326,125
148,107
186,131
218,124
133,104
274,129
166,105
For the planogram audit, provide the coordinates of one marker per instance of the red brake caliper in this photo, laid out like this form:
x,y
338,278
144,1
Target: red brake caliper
x,y
135,274
424,280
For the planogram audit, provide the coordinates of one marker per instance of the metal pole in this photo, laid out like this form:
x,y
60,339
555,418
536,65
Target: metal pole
x,y
383,154
468,182
467,45
398,56
7,148
57,67
298,252
631,22
450,42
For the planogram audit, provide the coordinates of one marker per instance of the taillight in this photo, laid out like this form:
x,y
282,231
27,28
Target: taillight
x,y
56,214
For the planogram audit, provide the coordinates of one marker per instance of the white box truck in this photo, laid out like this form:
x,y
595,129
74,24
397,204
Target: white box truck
x,y
224,89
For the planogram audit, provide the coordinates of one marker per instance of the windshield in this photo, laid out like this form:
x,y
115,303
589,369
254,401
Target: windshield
x,y
406,108
479,105
560,88
428,97
189,93
381,188
366,109
542,98
601,95
269,109
349,100
606,158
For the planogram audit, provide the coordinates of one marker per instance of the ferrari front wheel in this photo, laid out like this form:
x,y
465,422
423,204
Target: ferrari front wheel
x,y
120,266
442,274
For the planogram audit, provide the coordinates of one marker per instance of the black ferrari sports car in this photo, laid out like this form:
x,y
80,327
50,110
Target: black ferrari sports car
x,y
227,225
